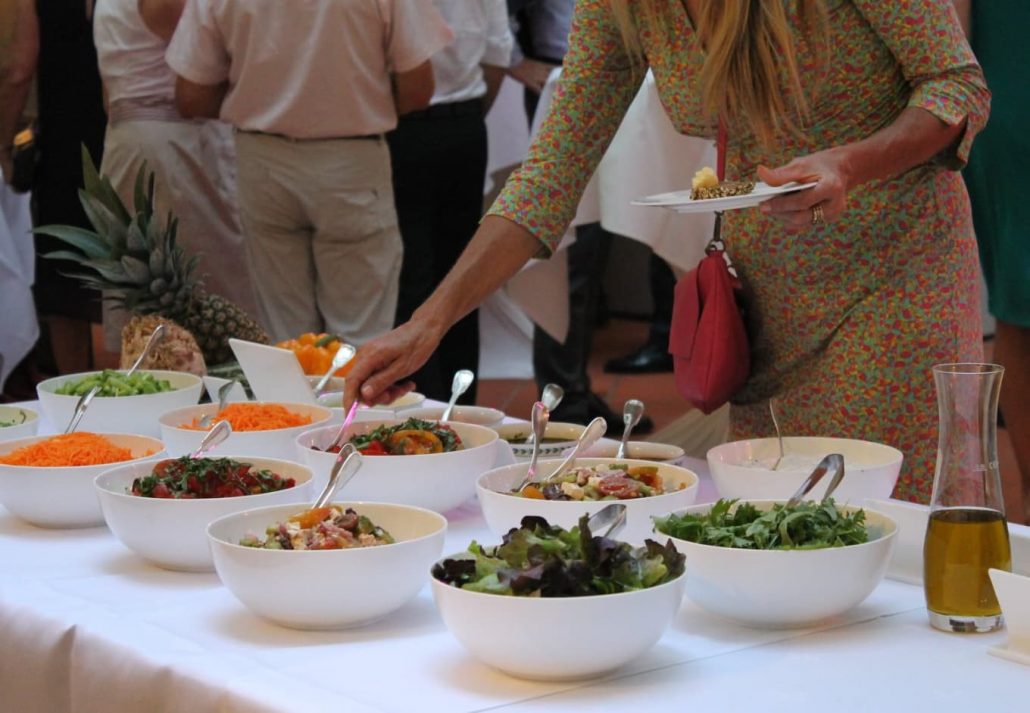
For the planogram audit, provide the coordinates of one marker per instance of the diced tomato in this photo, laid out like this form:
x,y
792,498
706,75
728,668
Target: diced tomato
x,y
375,448
618,486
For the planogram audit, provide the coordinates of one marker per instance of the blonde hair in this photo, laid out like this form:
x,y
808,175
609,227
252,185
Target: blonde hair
x,y
750,71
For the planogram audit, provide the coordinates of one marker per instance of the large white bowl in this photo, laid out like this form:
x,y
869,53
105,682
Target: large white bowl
x,y
556,639
119,414
27,428
64,497
437,481
172,533
558,437
477,415
274,443
328,589
743,469
779,589
504,511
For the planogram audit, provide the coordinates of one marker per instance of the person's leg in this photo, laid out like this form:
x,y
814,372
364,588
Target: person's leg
x,y
653,355
278,233
1012,351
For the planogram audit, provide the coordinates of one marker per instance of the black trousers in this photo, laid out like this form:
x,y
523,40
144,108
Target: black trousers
x,y
439,167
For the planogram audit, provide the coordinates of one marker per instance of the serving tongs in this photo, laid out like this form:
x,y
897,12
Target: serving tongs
x,y
834,462
612,516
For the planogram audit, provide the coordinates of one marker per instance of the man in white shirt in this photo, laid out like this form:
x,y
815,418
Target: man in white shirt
x,y
439,169
311,88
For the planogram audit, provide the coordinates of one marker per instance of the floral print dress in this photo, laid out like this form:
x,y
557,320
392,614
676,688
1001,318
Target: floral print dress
x,y
846,319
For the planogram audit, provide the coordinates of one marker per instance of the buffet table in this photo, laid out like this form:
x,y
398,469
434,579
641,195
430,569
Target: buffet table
x,y
87,626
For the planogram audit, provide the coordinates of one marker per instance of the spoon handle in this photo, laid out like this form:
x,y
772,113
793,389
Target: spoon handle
x,y
810,482
594,430
342,433
346,467
80,408
156,336
221,431
539,417
612,515
837,463
342,356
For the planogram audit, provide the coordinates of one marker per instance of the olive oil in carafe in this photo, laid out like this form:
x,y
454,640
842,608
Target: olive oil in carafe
x,y
961,545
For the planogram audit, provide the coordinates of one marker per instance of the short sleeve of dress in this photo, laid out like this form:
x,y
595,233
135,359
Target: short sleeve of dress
x,y
196,51
927,40
597,85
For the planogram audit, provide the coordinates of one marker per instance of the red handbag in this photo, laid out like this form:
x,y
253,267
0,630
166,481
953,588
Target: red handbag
x,y
708,340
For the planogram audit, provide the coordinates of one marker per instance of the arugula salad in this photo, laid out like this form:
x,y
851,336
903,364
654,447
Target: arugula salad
x,y
543,560
811,525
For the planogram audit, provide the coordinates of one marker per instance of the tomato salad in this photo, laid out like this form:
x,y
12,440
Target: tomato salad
x,y
326,528
611,481
413,437
188,478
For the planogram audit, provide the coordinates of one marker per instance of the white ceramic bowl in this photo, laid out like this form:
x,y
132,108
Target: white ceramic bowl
x,y
119,414
172,533
504,511
328,589
558,639
274,443
638,450
64,497
22,428
743,469
410,400
476,415
558,437
779,589
436,481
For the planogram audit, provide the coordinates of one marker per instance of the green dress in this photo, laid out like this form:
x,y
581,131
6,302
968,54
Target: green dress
x,y
846,319
998,175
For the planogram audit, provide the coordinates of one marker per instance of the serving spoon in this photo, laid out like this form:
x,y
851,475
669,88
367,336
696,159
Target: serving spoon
x,y
346,466
221,431
342,356
632,412
591,435
551,396
779,436
612,515
223,399
463,379
342,433
83,403
833,460
539,418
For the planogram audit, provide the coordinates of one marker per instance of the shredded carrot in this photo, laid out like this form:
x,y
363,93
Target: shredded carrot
x,y
256,417
70,449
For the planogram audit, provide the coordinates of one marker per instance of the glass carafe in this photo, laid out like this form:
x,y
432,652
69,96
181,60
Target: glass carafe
x,y
966,534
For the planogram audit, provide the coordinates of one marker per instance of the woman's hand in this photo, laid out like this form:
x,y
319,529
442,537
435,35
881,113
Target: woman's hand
x,y
382,365
822,203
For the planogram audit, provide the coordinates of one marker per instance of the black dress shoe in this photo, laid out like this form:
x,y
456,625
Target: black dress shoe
x,y
652,358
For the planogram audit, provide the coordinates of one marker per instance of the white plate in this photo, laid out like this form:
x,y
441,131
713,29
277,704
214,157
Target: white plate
x,y
681,202
274,374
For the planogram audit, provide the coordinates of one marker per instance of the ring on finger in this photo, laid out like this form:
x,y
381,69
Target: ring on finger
x,y
817,214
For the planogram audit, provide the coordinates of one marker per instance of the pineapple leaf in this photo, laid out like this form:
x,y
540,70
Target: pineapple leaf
x,y
139,197
106,223
110,270
137,270
91,244
64,255
135,240
100,188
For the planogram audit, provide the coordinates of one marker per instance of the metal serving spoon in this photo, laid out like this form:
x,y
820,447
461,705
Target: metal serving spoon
x,y
221,431
223,399
612,516
343,355
632,412
342,433
347,465
550,397
539,419
779,436
591,435
834,461
83,403
463,379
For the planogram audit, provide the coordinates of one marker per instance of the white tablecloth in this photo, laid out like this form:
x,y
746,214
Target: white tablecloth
x,y
87,626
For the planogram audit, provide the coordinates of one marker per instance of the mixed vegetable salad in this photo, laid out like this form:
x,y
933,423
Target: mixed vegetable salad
x,y
610,481
811,525
542,560
116,383
326,528
190,478
412,437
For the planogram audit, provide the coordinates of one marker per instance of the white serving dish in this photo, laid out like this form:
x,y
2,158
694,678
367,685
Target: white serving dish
x,y
398,408
273,443
476,415
172,533
25,429
327,589
638,450
119,414
437,481
558,639
503,511
1013,592
64,497
566,434
871,468
779,589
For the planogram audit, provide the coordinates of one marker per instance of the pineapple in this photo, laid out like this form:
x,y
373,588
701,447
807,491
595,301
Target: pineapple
x,y
137,263
177,351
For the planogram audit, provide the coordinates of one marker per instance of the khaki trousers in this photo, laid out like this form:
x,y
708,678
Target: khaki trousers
x,y
322,236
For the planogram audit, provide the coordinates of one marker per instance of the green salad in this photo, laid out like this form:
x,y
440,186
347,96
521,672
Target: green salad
x,y
809,526
116,383
543,560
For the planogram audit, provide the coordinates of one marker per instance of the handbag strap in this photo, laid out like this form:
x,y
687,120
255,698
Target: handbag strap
x,y
717,243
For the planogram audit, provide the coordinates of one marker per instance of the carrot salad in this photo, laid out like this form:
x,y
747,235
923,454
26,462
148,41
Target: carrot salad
x,y
256,417
69,449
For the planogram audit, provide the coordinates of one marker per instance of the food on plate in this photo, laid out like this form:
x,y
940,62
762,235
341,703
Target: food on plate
x,y
135,256
541,560
730,523
255,417
176,351
610,481
189,478
18,420
115,383
706,184
326,528
790,461
315,353
412,437
69,450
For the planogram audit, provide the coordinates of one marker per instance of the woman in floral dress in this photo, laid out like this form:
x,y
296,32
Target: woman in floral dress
x,y
859,285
